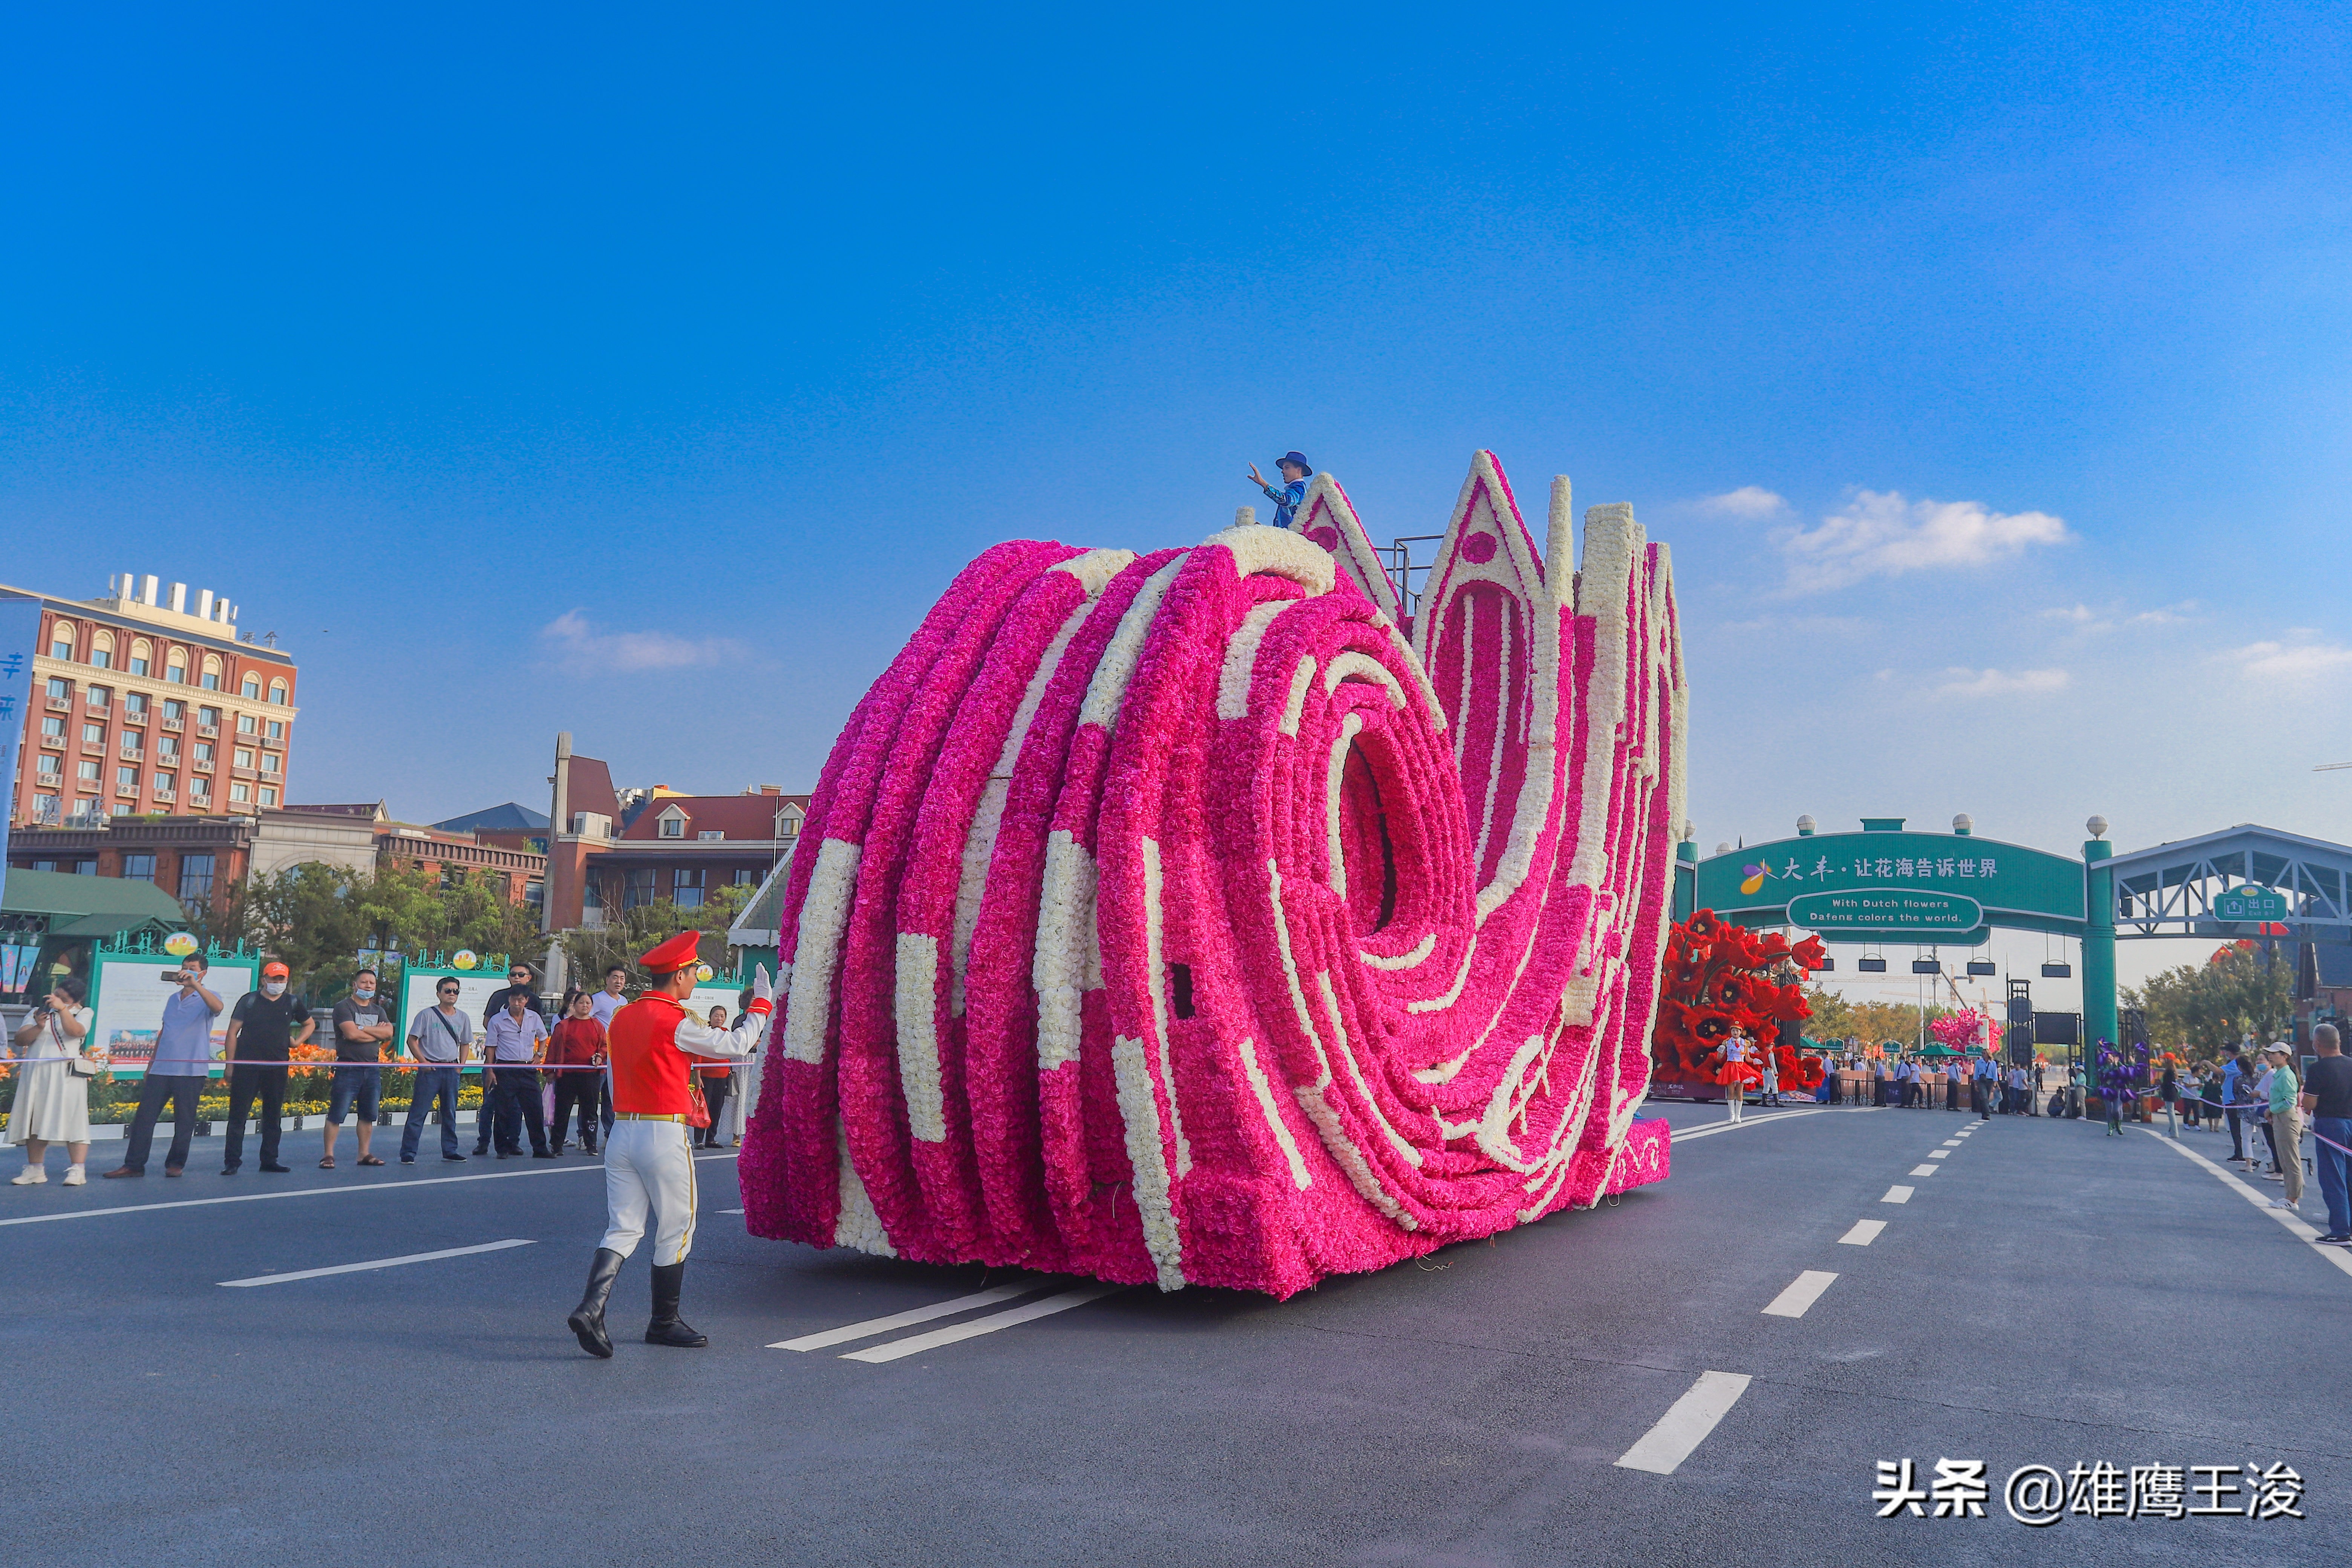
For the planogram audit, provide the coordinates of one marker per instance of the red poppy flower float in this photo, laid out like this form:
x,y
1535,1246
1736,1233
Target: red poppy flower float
x,y
1717,975
1194,918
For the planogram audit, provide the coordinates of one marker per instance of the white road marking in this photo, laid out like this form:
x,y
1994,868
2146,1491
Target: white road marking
x,y
1684,1428
731,1210
1939,1153
2340,1256
1951,1142
373,1263
396,1184
1924,1170
1712,1128
1896,1196
913,1315
1808,1289
1863,1233
917,1344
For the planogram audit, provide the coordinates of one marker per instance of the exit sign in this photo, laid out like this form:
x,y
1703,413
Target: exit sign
x,y
2249,904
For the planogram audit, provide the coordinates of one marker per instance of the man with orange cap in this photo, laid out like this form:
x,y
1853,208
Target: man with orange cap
x,y
648,1158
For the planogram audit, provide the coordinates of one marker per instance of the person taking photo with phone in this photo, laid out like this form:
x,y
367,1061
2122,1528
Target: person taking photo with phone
x,y
53,1088
184,1059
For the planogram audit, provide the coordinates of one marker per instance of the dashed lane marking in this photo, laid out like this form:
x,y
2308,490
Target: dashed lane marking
x,y
1685,1425
1801,1295
372,1263
1939,1153
1863,1233
1897,1196
1027,1312
1924,1170
913,1315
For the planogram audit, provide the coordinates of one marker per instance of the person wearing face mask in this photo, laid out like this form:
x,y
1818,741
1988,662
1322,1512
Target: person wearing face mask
x,y
361,1026
184,1057
263,1028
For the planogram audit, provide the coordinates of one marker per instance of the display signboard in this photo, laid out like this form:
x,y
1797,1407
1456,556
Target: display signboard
x,y
2250,903
1882,911
128,991
475,989
2007,884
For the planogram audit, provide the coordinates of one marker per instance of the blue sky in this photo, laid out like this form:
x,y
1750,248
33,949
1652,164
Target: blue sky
x,y
646,375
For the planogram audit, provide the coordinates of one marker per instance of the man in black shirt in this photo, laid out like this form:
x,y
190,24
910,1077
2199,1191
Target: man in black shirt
x,y
507,1116
263,1028
2327,1101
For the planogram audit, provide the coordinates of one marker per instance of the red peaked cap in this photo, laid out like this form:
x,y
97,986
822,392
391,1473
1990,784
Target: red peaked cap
x,y
675,954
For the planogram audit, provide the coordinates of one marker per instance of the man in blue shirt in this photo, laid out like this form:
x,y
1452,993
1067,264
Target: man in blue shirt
x,y
183,1055
2232,1072
1293,470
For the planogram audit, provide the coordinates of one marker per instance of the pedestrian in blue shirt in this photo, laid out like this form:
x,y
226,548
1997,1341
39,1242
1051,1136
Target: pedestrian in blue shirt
x,y
1293,470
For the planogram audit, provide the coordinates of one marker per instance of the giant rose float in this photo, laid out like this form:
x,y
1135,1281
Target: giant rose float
x,y
1195,918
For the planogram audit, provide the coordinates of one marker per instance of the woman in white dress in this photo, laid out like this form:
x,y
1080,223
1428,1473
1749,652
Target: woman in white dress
x,y
53,1101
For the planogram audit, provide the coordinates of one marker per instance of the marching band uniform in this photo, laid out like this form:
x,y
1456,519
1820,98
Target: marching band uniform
x,y
649,1160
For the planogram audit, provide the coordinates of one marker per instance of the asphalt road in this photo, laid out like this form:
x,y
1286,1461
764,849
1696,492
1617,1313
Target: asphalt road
x,y
2047,1296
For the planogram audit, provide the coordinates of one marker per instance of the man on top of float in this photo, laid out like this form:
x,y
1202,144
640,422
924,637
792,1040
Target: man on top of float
x,y
648,1158
1286,500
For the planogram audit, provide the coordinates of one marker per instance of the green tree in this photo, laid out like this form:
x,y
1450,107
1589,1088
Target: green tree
x,y
2204,1007
588,954
315,917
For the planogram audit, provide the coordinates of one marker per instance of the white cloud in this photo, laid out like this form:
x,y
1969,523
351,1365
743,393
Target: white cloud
x,y
2289,661
583,650
2109,618
1881,534
2001,683
1749,503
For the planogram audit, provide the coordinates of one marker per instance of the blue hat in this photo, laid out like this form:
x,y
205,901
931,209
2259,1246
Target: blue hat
x,y
1298,460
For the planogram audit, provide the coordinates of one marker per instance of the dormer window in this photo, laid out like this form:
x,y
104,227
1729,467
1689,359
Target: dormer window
x,y
671,824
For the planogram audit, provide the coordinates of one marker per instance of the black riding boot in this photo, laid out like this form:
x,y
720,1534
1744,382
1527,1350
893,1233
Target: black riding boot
x,y
587,1320
667,1328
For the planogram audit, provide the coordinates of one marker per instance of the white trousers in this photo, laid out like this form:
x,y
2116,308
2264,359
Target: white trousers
x,y
649,1164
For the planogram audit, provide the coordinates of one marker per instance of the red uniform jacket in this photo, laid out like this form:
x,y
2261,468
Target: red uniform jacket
x,y
648,1044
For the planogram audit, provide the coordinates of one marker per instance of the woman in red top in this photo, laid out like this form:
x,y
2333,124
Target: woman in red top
x,y
718,1075
576,1046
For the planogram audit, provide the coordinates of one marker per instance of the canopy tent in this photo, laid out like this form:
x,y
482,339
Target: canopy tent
x,y
62,914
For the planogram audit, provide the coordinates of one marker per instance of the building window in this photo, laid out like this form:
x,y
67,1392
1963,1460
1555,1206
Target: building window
x,y
85,867
268,761
94,734
60,687
101,650
746,878
124,808
673,827
53,731
87,770
45,812
51,768
140,654
246,724
238,794
163,783
134,704
131,743
139,868
638,890
97,698
61,641
211,680
48,866
685,888
208,720
276,730
127,778
535,893
242,758
167,747
199,790
269,797
196,878
175,667
174,710
205,752
277,693
252,687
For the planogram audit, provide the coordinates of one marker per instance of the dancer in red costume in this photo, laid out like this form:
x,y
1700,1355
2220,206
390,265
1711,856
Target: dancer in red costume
x,y
649,1160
